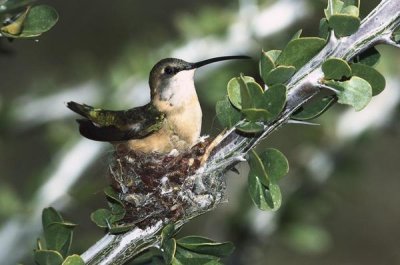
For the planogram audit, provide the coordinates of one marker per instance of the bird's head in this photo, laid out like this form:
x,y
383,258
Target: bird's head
x,y
171,79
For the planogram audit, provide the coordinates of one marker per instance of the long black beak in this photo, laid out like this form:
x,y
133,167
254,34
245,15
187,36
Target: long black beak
x,y
218,59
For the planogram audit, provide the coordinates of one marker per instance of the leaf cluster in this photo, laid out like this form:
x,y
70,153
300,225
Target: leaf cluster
x,y
54,248
110,218
250,107
187,250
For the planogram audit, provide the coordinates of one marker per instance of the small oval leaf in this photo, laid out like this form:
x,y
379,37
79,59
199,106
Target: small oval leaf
x,y
266,65
279,75
371,75
323,28
119,229
299,51
275,163
254,114
369,57
336,68
73,260
227,115
58,237
233,89
40,19
275,100
101,217
251,94
344,25
50,216
169,249
314,109
47,257
355,92
206,246
258,195
250,127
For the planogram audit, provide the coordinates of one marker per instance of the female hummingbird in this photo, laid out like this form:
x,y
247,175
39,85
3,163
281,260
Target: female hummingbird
x,y
171,120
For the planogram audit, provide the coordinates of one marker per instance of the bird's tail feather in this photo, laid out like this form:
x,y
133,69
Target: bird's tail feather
x,y
83,110
105,134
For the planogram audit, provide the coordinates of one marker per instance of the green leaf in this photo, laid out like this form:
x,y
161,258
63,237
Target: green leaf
x,y
227,115
167,232
8,5
344,25
58,237
200,260
251,94
371,75
257,168
117,207
274,192
250,127
334,7
266,65
299,51
47,257
146,256
270,166
169,249
185,256
355,92
323,28
275,100
112,194
273,54
259,195
351,10
101,217
233,89
275,163
297,34
369,57
314,109
336,68
40,19
73,260
206,246
254,114
118,212
50,216
119,229
279,75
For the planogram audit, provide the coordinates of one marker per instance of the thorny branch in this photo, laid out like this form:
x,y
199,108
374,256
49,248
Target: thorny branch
x,y
231,148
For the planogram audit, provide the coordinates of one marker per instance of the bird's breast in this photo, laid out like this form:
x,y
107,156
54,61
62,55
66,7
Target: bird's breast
x,y
180,130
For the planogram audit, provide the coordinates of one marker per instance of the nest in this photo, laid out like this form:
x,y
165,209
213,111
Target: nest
x,y
168,187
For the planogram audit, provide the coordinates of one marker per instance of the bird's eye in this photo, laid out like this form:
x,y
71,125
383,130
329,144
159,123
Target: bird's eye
x,y
168,70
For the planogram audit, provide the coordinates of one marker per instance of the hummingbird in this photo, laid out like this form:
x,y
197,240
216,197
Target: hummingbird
x,y
171,120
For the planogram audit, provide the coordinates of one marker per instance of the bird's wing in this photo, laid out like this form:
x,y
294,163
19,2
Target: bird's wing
x,y
110,125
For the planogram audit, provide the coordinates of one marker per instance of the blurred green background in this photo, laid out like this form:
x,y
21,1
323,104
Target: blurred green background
x,y
341,198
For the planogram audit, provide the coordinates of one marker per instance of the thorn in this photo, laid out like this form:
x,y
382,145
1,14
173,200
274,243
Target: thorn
x,y
235,170
329,88
303,122
241,158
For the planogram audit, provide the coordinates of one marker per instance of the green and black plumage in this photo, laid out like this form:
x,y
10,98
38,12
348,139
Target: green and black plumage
x,y
112,126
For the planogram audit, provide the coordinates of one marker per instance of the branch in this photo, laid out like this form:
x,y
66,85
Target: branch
x,y
203,190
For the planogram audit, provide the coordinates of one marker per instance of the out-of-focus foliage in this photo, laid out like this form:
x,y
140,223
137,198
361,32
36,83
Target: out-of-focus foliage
x,y
31,22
